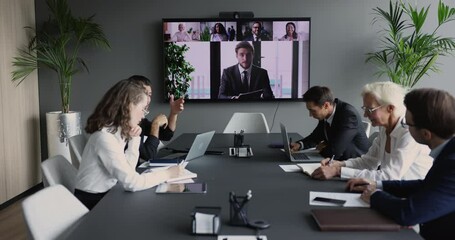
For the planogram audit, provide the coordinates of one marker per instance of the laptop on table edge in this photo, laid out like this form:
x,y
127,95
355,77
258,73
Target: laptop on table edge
x,y
198,148
310,157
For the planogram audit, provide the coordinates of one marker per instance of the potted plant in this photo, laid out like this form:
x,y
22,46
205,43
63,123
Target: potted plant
x,y
407,53
177,70
56,46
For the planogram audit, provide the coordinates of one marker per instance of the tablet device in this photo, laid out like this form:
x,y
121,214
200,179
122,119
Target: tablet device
x,y
182,188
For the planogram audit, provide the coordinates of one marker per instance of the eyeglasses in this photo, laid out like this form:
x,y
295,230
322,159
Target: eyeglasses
x,y
146,112
405,124
370,110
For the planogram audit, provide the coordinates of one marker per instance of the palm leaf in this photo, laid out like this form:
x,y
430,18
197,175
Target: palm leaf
x,y
56,46
406,53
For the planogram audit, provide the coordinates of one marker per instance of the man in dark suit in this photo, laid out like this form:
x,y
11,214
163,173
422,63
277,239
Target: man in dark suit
x,y
340,131
430,202
232,34
256,33
244,77
161,127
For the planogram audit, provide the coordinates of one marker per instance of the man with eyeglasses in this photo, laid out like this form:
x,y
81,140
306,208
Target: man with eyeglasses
x,y
430,202
339,133
394,154
256,33
161,127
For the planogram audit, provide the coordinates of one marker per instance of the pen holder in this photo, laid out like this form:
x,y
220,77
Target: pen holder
x,y
238,139
238,212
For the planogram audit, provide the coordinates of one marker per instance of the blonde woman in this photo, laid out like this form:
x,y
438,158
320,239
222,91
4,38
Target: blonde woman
x,y
394,154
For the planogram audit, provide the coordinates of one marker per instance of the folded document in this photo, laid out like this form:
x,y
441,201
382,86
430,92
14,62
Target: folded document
x,y
186,174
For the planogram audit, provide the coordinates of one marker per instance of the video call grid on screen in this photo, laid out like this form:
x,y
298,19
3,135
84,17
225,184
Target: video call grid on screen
x,y
286,61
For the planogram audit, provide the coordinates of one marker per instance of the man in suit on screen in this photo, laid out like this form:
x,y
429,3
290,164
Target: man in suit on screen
x,y
430,202
244,80
256,33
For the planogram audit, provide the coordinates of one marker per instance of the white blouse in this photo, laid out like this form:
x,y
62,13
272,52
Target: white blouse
x,y
407,159
104,162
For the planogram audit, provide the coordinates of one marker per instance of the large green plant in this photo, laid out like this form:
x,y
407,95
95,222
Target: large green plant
x,y
407,53
56,46
177,71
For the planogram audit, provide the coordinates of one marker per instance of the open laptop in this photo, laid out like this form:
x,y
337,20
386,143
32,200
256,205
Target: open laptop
x,y
198,148
307,156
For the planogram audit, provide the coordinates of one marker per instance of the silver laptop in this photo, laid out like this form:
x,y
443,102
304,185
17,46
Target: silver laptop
x,y
301,156
198,148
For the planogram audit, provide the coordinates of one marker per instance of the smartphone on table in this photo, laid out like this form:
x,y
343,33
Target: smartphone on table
x,y
330,200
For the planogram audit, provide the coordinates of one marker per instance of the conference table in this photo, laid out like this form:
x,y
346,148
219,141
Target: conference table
x,y
279,197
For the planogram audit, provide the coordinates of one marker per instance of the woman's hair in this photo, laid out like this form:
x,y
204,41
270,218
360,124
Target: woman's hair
x,y
113,110
387,93
141,79
294,34
221,27
432,109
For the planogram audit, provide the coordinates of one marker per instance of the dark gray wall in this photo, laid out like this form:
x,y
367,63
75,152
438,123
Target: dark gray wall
x,y
341,35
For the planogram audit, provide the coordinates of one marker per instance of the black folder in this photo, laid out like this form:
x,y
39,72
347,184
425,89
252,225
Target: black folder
x,y
251,95
352,219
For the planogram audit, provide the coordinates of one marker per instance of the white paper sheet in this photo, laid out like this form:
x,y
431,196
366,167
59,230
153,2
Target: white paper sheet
x,y
290,168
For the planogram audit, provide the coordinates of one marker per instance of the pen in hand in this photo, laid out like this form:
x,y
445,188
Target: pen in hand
x,y
182,162
330,160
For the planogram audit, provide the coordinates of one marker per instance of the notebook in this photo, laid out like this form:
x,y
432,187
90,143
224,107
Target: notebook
x,y
352,219
308,168
185,176
311,157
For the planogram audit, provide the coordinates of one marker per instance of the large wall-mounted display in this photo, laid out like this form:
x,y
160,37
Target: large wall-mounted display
x,y
255,59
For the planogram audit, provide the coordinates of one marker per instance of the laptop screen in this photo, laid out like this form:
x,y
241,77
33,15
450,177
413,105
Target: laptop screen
x,y
200,145
286,143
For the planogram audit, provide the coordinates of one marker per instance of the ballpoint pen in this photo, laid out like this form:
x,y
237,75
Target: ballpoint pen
x,y
247,198
182,162
331,159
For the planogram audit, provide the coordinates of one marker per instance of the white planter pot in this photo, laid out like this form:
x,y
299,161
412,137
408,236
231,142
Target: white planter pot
x,y
60,127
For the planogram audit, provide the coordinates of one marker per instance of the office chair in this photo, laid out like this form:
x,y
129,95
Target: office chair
x,y
50,212
77,145
248,122
58,170
367,126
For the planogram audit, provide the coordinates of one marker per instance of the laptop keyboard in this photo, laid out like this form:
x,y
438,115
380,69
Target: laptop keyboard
x,y
300,156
